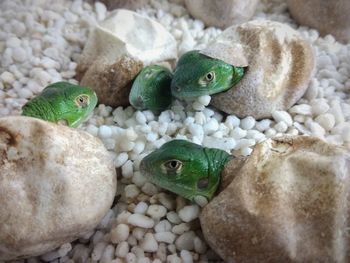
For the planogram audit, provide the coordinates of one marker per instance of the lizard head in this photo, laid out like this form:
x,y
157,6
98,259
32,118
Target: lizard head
x,y
196,75
185,168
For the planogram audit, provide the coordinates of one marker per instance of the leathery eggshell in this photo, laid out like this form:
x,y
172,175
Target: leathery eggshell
x,y
279,65
56,184
287,202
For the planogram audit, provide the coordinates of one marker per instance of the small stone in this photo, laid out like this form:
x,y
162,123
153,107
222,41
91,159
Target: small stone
x,y
166,237
7,77
149,243
302,109
173,217
120,233
185,241
163,226
186,256
327,121
181,228
122,249
281,126
247,123
141,208
282,116
156,211
140,221
189,213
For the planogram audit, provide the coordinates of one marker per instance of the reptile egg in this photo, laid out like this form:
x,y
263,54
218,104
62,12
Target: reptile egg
x,y
279,65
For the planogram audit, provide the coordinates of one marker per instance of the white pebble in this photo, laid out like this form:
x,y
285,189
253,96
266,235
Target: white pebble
x,y
149,189
19,54
302,109
149,243
238,133
185,241
122,249
316,129
156,211
7,77
141,221
131,258
127,169
245,151
141,208
181,228
319,106
282,116
173,259
281,126
166,237
199,246
104,131
263,125
173,217
189,213
120,233
120,159
247,123
327,121
131,191
98,250
186,256
162,226
108,254
211,126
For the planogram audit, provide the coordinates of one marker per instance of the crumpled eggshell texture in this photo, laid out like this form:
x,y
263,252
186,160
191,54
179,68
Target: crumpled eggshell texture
x,y
56,184
280,65
116,51
289,202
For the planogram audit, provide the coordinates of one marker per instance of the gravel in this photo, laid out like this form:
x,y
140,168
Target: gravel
x,y
40,43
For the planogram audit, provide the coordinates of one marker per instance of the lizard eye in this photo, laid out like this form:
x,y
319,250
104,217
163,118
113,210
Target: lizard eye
x,y
210,76
173,166
82,100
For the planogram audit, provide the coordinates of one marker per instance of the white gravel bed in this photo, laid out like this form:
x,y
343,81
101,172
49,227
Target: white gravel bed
x,y
40,43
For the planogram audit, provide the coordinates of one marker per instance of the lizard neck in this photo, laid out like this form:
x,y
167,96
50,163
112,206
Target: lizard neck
x,y
39,108
217,159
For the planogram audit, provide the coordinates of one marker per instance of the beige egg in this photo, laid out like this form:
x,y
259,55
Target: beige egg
x,y
223,13
116,51
56,184
279,63
286,202
327,17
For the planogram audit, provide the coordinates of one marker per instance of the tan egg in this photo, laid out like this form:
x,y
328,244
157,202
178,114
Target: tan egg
x,y
116,51
223,13
279,63
56,184
327,17
287,202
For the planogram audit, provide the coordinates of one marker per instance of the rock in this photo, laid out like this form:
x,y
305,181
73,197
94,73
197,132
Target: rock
x,y
116,51
287,202
280,65
126,4
222,13
56,184
327,17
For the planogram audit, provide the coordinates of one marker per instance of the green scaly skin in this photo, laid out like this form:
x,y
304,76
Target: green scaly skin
x,y
62,101
151,89
197,75
185,168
